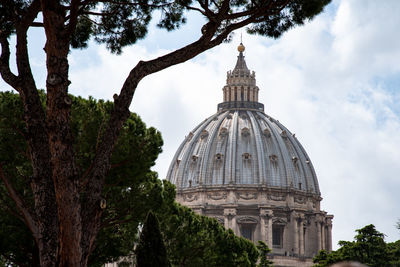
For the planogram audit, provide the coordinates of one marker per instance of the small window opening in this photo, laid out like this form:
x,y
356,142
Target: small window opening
x,y
246,231
277,236
246,156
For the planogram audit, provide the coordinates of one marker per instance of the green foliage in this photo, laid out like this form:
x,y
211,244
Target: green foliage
x,y
263,249
122,23
369,248
151,249
131,188
195,240
296,13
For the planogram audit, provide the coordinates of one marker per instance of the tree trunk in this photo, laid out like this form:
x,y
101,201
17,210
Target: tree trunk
x,y
64,174
45,216
68,220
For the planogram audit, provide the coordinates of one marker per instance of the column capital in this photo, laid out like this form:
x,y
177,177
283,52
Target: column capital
x,y
298,216
266,213
230,212
319,219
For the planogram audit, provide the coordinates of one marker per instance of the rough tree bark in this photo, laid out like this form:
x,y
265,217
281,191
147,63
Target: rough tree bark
x,y
64,173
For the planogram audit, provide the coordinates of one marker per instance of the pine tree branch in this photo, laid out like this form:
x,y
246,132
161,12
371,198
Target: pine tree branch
x,y
73,16
30,15
37,24
5,70
90,207
29,218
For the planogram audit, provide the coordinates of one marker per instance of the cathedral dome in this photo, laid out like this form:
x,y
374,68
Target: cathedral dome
x,y
249,172
241,145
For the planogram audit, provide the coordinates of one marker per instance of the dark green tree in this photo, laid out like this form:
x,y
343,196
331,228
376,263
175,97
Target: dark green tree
x,y
130,189
66,215
194,240
151,249
263,249
369,247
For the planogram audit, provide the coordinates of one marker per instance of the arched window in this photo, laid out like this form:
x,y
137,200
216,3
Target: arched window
x,y
247,226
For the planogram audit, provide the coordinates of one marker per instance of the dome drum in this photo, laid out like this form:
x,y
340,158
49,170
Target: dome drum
x,y
240,105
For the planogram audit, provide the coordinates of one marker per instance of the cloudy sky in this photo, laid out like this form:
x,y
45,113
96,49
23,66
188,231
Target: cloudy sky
x,y
335,82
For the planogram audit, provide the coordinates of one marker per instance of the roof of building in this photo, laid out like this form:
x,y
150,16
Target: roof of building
x,y
241,145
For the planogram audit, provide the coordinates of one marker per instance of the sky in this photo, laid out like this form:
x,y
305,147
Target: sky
x,y
334,82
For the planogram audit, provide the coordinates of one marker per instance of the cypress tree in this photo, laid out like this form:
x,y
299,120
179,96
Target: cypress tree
x,y
151,249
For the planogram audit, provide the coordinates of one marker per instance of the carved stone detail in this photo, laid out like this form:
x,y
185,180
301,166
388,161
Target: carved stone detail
x,y
276,196
190,136
267,132
230,212
217,195
246,219
300,199
245,131
246,195
279,220
204,134
190,197
223,132
266,213
273,158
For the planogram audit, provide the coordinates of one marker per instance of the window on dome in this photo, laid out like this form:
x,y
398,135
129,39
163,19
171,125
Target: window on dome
x,y
246,231
218,156
277,236
246,156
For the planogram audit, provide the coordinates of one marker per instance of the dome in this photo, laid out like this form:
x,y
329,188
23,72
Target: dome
x,y
242,147
249,172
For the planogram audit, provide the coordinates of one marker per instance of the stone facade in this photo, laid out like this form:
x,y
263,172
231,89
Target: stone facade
x,y
248,171
288,220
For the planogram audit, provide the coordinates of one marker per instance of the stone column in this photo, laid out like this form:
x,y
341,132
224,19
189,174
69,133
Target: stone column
x,y
323,244
256,95
226,221
301,234
295,233
329,241
270,231
263,226
318,225
234,225
229,219
266,226
329,235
